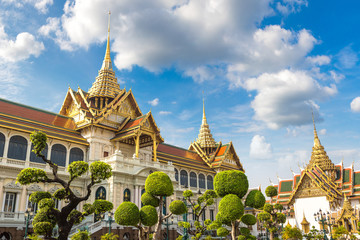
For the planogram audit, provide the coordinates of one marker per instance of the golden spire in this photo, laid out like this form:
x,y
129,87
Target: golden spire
x,y
205,139
320,157
107,59
316,138
304,221
105,85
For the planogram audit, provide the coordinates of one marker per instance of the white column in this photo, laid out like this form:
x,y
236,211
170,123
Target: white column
x,y
1,192
22,200
6,147
28,152
137,195
67,157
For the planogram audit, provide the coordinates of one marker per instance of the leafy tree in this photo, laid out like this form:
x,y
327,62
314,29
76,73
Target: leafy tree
x,y
157,186
198,207
340,232
271,216
232,185
48,216
110,236
291,233
81,235
313,234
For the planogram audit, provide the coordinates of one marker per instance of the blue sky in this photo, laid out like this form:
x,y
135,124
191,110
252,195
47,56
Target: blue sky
x,y
262,65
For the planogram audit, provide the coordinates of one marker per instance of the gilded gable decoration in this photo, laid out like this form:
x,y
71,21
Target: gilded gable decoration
x,y
347,217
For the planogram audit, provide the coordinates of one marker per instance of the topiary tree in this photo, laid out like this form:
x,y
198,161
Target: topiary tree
x,y
271,216
157,186
232,186
198,207
291,233
48,216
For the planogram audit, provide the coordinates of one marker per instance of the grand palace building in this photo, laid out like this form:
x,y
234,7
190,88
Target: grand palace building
x,y
323,194
104,123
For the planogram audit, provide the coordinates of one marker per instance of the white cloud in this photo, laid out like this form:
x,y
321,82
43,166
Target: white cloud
x,y
347,58
286,98
259,148
355,104
40,5
164,113
319,60
322,131
293,160
19,49
154,102
290,6
11,84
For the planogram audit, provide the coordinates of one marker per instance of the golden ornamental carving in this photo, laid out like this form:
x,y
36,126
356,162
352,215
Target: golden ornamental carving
x,y
308,188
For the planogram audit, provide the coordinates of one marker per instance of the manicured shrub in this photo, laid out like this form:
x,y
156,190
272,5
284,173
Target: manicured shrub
x,y
255,199
101,206
159,184
222,232
231,182
148,199
248,219
177,207
271,191
127,214
35,197
148,215
231,208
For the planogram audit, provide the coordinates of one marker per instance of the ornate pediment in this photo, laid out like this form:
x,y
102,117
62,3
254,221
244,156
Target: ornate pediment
x,y
308,188
53,189
125,109
76,192
13,185
34,188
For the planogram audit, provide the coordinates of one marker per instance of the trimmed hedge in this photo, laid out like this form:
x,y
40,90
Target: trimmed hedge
x,y
127,214
159,184
231,182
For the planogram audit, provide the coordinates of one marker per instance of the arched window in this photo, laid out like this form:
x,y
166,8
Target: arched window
x,y
183,178
193,179
17,148
210,182
127,195
99,194
58,155
142,192
176,174
201,181
126,236
76,154
34,158
2,144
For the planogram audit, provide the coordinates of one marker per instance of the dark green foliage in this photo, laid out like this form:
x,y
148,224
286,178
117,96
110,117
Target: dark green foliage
x,y
248,219
255,199
231,208
231,182
148,215
281,217
268,207
78,168
88,209
60,194
264,216
251,237
38,139
159,184
81,235
271,191
222,232
43,228
127,214
77,216
101,206
46,203
148,199
244,231
100,171
177,207
35,197
31,175
278,206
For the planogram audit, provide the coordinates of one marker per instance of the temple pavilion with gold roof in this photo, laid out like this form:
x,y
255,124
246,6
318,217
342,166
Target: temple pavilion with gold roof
x,y
104,123
333,188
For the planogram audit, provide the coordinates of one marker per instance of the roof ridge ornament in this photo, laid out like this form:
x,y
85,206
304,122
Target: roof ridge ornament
x,y
205,138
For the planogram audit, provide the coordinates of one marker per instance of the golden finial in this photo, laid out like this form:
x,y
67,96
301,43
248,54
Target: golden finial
x,y
107,60
316,138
